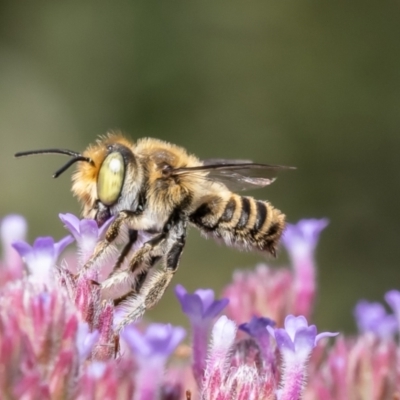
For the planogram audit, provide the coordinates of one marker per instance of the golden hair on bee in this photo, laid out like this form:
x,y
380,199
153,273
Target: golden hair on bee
x,y
153,189
85,178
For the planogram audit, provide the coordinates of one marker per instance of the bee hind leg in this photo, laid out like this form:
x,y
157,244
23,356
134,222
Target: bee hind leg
x,y
151,289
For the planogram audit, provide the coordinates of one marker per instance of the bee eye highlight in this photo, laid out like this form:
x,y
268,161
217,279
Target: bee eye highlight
x,y
111,178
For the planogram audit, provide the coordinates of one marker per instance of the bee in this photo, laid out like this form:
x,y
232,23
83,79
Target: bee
x,y
153,190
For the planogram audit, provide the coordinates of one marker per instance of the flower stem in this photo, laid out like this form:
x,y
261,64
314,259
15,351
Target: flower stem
x,y
292,382
200,340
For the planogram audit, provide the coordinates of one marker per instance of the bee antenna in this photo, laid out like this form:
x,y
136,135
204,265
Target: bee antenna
x,y
47,151
71,162
76,157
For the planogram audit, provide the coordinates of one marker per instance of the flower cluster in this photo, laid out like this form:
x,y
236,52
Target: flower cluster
x,y
58,335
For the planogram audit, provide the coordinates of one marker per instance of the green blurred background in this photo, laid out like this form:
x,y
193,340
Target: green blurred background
x,y
312,84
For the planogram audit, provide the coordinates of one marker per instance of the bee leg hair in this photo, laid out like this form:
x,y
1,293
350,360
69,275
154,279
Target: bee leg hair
x,y
153,288
113,231
126,281
119,283
133,235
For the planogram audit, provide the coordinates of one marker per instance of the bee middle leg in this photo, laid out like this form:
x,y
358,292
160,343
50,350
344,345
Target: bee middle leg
x,y
130,279
150,290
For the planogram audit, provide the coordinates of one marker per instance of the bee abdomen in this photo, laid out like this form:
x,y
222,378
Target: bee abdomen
x,y
241,222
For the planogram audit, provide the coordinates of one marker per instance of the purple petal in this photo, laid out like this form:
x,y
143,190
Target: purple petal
x,y
303,237
257,326
158,340
62,244
324,335
180,293
136,341
283,340
215,308
206,296
71,222
176,336
192,306
292,324
372,317
22,248
88,228
304,341
105,226
44,246
393,299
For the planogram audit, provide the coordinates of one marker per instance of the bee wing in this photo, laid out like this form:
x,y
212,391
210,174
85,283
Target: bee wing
x,y
224,161
235,174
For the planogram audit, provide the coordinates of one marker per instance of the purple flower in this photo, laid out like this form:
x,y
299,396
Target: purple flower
x,y
301,239
297,340
200,305
256,326
201,308
152,349
372,317
235,370
86,233
42,256
393,299
158,341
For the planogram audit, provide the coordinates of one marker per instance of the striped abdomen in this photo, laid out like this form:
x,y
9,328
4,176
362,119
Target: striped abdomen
x,y
241,221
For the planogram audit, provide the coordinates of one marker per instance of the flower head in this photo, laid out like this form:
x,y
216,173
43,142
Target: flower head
x,y
372,317
40,342
201,308
257,326
158,340
199,305
297,340
42,256
301,239
151,349
86,233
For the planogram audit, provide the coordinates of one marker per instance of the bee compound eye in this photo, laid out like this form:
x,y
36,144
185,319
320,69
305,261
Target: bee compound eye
x,y
111,178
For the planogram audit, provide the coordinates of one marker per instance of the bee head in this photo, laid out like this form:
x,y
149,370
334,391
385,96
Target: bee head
x,y
104,187
102,171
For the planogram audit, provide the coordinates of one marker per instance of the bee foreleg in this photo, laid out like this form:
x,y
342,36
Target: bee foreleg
x,y
113,231
133,235
154,287
124,281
